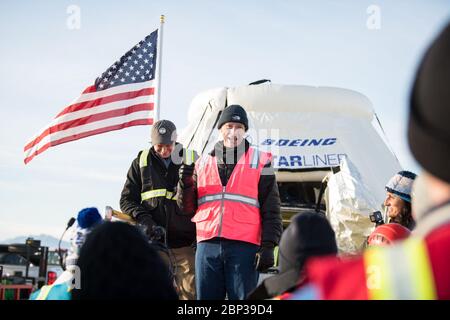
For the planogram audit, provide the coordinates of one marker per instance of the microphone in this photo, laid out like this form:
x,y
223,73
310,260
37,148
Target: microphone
x,y
69,224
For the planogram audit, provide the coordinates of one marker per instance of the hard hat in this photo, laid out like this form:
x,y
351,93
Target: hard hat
x,y
387,233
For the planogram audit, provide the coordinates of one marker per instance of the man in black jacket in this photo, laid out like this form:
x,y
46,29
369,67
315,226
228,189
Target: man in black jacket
x,y
149,197
227,259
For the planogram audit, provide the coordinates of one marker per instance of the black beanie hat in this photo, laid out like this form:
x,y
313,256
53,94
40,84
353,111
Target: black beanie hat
x,y
233,113
429,116
309,234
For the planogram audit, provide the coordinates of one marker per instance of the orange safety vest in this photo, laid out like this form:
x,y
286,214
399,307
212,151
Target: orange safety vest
x,y
230,211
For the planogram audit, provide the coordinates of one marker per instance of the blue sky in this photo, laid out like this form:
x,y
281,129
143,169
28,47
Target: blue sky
x,y
207,44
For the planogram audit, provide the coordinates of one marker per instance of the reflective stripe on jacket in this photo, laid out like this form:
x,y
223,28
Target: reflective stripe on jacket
x,y
402,271
188,156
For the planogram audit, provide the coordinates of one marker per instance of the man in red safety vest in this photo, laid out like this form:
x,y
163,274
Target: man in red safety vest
x,y
233,197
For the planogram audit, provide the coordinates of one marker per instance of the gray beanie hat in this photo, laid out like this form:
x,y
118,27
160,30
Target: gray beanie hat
x,y
401,185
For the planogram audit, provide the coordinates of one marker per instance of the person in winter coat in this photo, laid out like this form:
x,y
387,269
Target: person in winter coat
x,y
233,197
149,197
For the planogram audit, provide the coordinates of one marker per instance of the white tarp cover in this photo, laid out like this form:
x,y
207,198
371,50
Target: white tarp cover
x,y
349,204
304,128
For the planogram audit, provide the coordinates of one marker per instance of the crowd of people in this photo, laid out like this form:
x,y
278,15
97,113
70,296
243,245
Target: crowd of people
x,y
218,219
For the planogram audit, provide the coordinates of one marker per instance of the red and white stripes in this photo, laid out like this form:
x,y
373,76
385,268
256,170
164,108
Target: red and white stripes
x,y
96,112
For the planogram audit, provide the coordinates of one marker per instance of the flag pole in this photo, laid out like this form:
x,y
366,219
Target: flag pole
x,y
159,59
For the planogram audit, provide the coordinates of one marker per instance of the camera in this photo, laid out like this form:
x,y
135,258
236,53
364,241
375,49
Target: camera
x,y
377,218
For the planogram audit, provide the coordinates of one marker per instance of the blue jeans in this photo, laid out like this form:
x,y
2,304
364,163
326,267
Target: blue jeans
x,y
225,268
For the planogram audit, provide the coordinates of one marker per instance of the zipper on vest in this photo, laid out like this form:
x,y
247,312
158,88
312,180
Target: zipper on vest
x,y
221,210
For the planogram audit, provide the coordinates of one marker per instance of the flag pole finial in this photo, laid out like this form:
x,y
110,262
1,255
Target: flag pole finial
x,y
161,18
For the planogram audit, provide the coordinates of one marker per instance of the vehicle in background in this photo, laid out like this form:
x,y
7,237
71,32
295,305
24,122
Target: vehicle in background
x,y
29,263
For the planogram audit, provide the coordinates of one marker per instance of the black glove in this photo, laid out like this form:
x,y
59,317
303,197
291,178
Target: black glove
x,y
264,257
158,234
145,223
186,174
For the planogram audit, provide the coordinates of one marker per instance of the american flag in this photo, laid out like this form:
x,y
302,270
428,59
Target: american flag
x,y
123,96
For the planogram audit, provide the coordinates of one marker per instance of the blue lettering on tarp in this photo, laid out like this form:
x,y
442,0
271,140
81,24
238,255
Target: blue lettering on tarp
x,y
321,160
308,161
332,159
341,156
294,143
296,160
315,142
329,141
283,162
282,142
267,142
310,142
